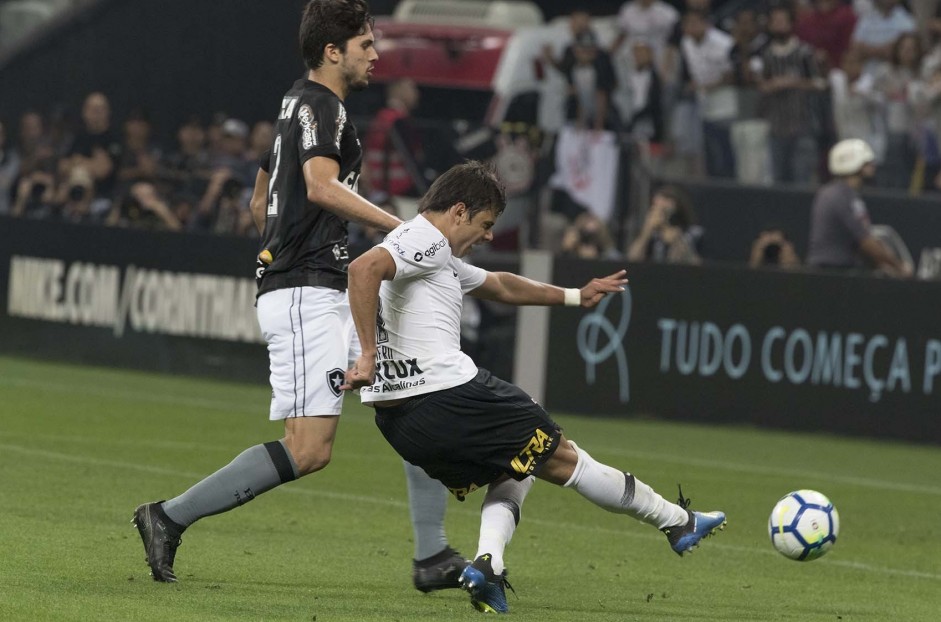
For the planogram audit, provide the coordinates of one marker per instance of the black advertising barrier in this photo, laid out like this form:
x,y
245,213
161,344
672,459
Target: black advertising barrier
x,y
804,351
807,351
159,301
733,215
168,302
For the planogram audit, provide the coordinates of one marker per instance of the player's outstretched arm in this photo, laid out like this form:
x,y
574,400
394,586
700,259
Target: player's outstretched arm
x,y
513,289
366,274
324,189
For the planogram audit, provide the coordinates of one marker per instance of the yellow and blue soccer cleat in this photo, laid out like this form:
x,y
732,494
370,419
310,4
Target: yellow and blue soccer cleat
x,y
487,589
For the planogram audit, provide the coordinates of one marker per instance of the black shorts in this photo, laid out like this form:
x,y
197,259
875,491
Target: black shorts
x,y
470,435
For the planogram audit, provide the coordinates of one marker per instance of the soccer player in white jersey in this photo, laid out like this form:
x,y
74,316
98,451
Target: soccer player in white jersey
x,y
303,310
458,422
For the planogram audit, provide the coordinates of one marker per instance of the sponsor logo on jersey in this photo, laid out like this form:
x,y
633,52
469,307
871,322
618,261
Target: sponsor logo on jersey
x,y
525,462
396,375
390,387
287,108
418,256
434,248
398,247
341,252
335,379
398,369
352,180
341,122
308,127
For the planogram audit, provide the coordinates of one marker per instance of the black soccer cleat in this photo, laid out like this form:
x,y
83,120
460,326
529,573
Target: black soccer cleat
x,y
160,542
439,572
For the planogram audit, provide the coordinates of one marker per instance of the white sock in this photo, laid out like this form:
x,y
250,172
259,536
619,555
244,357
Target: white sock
x,y
622,493
427,501
499,516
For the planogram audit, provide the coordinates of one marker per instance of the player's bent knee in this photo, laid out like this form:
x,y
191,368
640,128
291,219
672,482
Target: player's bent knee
x,y
311,462
310,441
560,466
309,459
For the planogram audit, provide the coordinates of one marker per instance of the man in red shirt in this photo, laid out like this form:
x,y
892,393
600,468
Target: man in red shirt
x,y
828,26
392,140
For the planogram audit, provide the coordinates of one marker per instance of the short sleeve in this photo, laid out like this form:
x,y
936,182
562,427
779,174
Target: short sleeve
x,y
843,211
320,128
264,161
854,217
471,277
416,250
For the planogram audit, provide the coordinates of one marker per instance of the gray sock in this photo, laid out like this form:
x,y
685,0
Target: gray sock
x,y
427,501
256,470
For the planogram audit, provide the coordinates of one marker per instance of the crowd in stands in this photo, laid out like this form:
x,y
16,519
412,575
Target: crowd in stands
x,y
760,97
764,94
116,175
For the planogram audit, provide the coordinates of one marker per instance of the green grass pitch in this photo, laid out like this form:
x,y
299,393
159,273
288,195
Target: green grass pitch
x,y
81,447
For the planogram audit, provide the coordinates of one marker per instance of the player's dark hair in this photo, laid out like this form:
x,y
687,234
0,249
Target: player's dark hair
x,y
474,184
331,22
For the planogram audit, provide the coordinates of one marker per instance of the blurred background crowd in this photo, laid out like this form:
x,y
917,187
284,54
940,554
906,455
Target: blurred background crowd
x,y
746,91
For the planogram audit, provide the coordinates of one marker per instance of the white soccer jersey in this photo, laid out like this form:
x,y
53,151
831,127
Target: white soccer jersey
x,y
418,331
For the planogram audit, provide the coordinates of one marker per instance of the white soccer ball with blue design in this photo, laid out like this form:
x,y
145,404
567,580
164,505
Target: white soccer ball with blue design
x,y
803,525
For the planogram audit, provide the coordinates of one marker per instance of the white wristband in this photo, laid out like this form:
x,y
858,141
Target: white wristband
x,y
573,297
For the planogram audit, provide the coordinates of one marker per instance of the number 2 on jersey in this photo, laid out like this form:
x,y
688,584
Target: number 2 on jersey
x,y
272,193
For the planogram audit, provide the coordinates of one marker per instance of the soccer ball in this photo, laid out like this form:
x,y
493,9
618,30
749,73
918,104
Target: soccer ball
x,y
803,525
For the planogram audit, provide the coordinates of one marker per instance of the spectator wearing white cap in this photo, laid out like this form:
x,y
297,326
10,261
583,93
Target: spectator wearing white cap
x,y
841,234
231,178
233,154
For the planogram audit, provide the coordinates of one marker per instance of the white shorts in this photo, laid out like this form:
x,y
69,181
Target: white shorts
x,y
309,332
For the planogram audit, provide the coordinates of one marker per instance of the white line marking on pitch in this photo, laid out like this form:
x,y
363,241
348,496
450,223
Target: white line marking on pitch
x,y
241,407
136,396
865,482
54,455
